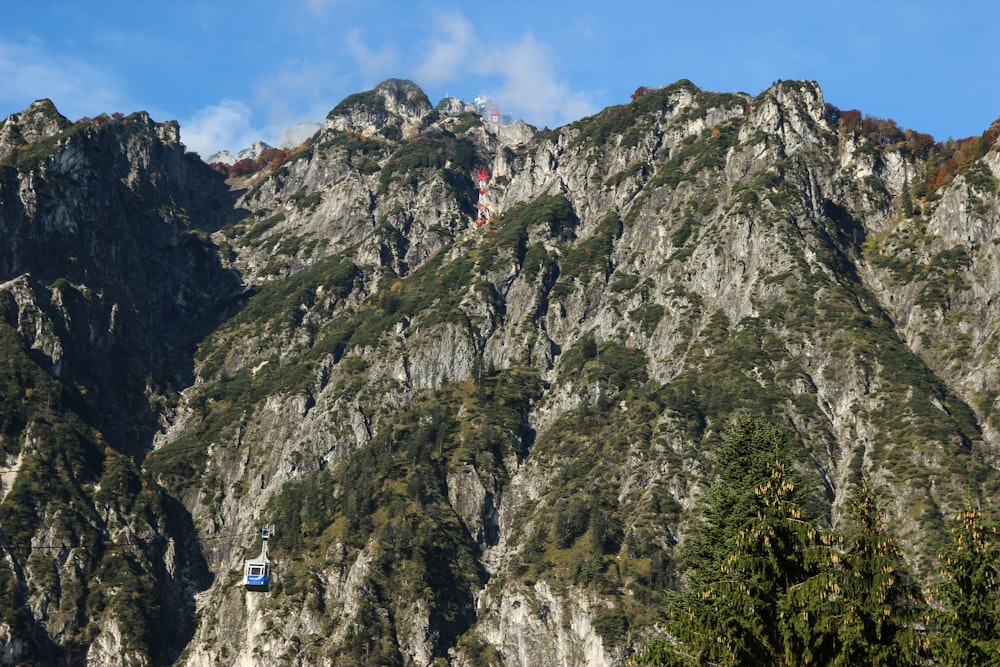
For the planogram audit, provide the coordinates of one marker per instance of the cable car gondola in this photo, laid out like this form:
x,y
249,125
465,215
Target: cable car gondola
x,y
257,571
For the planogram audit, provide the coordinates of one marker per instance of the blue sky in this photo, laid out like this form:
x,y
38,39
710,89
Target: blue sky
x,y
235,71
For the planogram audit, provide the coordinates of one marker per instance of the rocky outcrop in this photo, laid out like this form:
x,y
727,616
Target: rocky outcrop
x,y
111,226
394,103
35,124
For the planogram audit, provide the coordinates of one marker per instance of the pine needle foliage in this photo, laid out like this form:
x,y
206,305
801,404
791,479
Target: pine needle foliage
x,y
967,599
771,585
753,551
872,602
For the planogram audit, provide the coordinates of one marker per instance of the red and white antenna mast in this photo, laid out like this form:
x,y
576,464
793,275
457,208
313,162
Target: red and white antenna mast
x,y
483,177
495,119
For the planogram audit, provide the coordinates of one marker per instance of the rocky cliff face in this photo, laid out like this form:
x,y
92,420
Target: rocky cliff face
x,y
107,226
479,445
108,279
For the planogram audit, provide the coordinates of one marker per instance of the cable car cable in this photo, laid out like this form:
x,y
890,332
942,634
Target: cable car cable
x,y
124,544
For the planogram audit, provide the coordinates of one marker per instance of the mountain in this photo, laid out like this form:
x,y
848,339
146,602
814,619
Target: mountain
x,y
290,138
251,152
477,444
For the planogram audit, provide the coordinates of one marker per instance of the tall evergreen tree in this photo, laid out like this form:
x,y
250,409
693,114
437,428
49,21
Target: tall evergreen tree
x,y
875,602
906,198
754,548
779,588
750,447
968,597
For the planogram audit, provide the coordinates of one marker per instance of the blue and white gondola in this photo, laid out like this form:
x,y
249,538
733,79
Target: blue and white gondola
x,y
257,571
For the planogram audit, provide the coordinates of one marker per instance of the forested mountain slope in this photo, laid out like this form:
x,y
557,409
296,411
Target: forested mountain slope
x,y
478,444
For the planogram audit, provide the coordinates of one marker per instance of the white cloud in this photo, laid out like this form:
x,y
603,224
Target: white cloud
x,y
297,91
531,86
296,134
449,52
227,125
77,87
372,63
522,73
230,125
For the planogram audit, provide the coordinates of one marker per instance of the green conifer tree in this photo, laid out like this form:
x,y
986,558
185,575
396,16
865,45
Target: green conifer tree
x,y
906,198
753,550
750,446
967,600
875,603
